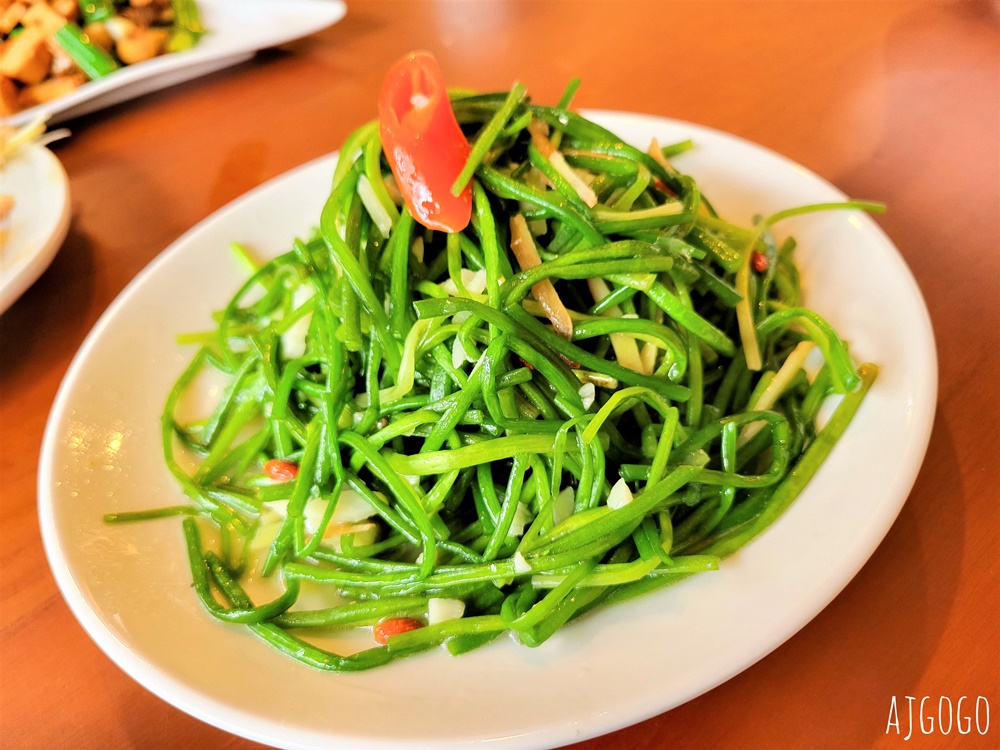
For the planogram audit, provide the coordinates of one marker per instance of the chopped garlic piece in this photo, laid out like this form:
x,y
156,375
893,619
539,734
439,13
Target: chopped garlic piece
x,y
587,394
351,509
374,207
562,506
620,495
349,517
473,281
442,610
293,340
522,517
458,357
520,564
460,354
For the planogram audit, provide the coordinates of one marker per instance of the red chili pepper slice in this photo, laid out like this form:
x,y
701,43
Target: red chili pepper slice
x,y
662,187
570,363
423,143
281,471
759,262
394,626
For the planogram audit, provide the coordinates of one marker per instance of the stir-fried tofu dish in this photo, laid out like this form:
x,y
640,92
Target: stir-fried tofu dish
x,y
49,48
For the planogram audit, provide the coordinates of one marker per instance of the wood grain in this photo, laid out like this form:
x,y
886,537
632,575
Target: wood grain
x,y
895,101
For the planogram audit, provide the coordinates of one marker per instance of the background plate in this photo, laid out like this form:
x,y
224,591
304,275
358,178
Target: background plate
x,y
236,29
130,586
36,227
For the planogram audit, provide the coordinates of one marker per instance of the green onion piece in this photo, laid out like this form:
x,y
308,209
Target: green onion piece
x,y
91,59
188,28
96,10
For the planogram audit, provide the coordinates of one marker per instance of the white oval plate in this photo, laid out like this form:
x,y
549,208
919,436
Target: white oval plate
x,y
236,29
130,586
34,231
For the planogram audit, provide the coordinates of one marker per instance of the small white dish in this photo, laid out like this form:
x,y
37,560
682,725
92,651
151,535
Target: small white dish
x,y
130,586
235,30
34,231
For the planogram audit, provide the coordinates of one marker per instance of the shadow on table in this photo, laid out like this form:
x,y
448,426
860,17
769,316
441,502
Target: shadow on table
x,y
51,317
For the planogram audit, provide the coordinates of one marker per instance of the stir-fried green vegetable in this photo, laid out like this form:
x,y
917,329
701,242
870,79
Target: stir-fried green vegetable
x,y
595,389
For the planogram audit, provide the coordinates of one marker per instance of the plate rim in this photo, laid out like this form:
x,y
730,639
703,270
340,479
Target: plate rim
x,y
225,718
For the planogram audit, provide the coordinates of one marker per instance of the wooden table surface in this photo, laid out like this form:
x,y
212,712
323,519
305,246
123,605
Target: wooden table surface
x,y
896,101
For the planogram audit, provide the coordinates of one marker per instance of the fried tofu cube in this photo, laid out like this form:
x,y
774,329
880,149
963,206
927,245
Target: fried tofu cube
x,y
51,89
65,8
10,16
25,58
43,19
141,45
98,33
